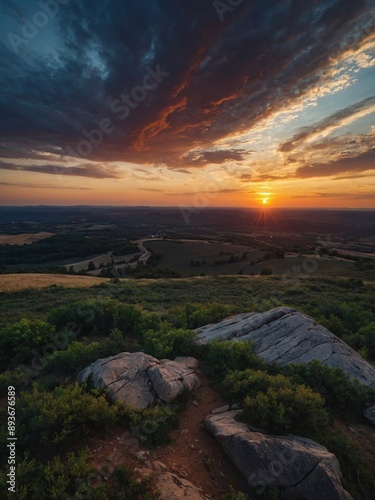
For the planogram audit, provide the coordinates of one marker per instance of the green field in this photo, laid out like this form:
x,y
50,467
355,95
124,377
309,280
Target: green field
x,y
157,316
179,255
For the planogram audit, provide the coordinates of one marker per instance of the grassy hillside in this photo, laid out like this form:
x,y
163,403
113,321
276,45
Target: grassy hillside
x,y
54,331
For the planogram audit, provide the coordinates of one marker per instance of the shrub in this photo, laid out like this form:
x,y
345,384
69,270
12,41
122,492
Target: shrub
x,y
149,321
54,480
367,333
74,478
19,341
342,395
76,357
96,317
11,378
358,478
294,409
234,495
169,342
122,486
152,426
227,356
64,413
193,316
248,383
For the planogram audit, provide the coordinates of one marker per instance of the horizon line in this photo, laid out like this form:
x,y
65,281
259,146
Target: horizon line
x,y
182,206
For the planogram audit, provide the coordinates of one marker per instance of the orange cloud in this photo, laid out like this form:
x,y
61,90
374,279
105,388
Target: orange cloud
x,y
154,128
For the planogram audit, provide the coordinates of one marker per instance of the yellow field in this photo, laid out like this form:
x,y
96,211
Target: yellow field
x,y
15,282
23,239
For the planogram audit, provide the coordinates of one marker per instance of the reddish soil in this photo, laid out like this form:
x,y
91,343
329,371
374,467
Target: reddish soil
x,y
193,454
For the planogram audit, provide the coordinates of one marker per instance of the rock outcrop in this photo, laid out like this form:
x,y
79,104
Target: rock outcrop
x,y
284,335
369,413
300,467
140,380
173,487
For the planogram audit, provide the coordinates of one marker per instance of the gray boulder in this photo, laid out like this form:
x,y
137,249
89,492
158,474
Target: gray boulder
x,y
140,380
300,467
284,335
369,413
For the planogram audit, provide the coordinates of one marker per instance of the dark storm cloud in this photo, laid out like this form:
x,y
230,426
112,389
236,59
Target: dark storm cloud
x,y
95,171
222,76
361,163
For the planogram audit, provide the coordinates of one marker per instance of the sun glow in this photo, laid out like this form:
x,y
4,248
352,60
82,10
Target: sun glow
x,y
264,197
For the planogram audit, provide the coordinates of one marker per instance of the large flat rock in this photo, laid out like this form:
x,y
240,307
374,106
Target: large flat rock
x,y
284,335
140,380
301,467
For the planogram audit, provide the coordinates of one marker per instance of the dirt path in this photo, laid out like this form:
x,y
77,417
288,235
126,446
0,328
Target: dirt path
x,y
193,454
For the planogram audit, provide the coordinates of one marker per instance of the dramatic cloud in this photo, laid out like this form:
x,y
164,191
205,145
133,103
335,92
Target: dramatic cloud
x,y
41,186
177,99
340,119
361,163
211,78
94,170
202,158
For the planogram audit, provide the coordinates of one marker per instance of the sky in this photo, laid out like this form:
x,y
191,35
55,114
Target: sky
x,y
191,103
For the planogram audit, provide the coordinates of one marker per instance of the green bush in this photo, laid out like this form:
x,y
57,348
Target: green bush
x,y
149,321
76,357
20,341
169,342
96,317
11,378
54,480
73,478
227,356
152,426
122,486
358,478
239,385
234,495
343,396
67,412
295,409
367,334
193,316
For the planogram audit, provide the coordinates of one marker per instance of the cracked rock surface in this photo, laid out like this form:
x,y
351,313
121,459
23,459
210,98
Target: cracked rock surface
x,y
140,380
284,335
370,414
300,467
172,487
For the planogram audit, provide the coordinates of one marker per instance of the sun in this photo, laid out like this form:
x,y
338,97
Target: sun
x,y
264,197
